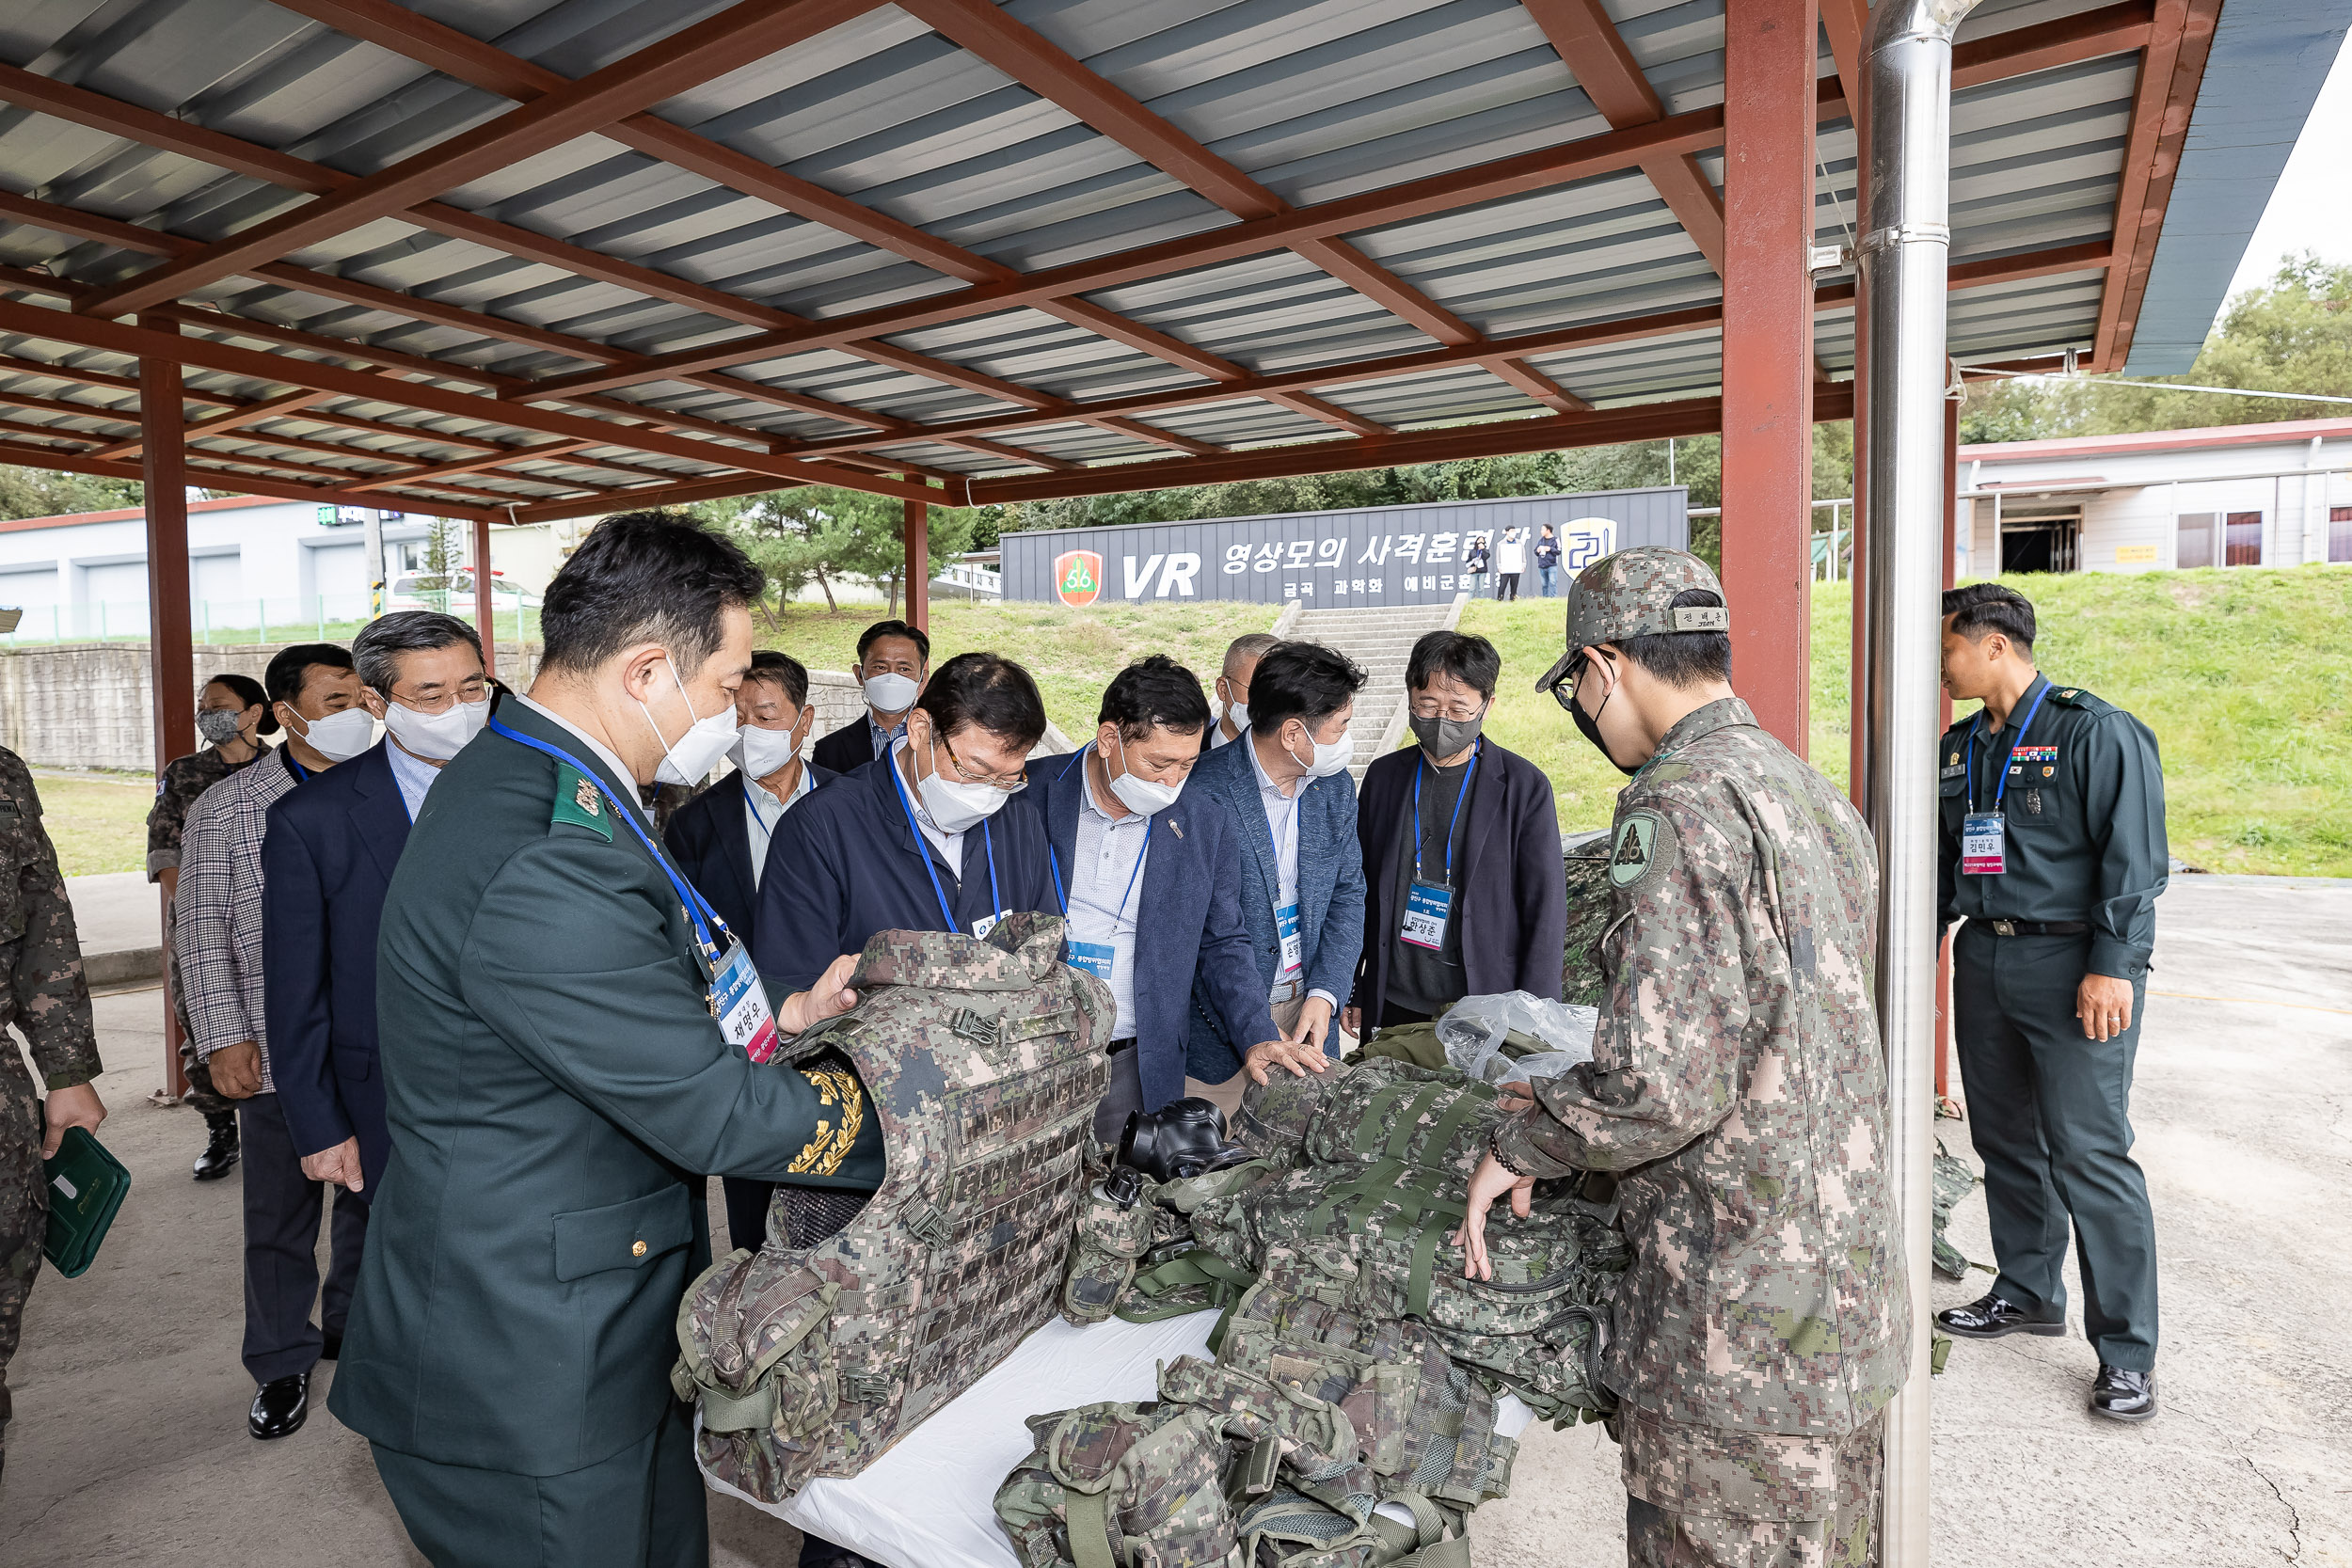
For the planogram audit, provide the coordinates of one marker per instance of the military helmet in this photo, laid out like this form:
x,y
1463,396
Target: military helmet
x,y
1631,593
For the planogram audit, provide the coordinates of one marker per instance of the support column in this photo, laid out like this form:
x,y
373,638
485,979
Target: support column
x,y
1770,50
918,565
486,616
1951,571
171,656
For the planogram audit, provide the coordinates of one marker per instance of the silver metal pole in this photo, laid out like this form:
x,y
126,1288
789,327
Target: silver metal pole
x,y
1905,246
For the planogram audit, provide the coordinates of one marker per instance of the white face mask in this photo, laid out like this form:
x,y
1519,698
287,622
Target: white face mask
x,y
338,737
1330,757
1142,796
437,736
891,693
952,804
690,758
759,752
1237,714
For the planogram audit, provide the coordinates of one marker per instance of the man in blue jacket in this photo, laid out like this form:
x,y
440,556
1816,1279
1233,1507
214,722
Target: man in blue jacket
x,y
1302,871
1123,842
921,844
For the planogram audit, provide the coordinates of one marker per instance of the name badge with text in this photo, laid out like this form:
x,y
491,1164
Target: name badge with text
x,y
1981,844
740,1003
1096,958
1426,910
1294,944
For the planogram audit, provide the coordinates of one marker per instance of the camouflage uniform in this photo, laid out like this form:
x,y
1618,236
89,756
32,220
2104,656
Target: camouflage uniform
x,y
176,789
1738,1090
48,1000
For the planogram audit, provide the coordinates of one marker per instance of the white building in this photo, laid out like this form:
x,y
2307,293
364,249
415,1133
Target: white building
x,y
256,566
2249,495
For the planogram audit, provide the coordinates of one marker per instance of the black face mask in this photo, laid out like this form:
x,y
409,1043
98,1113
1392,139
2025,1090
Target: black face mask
x,y
1588,725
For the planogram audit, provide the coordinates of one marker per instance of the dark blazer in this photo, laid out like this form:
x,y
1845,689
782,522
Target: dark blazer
x,y
327,856
1510,891
1192,887
845,864
1330,896
554,1085
847,749
712,845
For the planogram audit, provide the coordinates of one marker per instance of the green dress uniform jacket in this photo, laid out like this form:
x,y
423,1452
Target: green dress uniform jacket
x,y
2082,818
556,1089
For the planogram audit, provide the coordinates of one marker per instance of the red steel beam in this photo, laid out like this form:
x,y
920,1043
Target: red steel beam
x,y
2170,75
1769,64
259,484
1588,42
750,30
170,657
1602,427
92,332
484,607
214,424
917,568
650,496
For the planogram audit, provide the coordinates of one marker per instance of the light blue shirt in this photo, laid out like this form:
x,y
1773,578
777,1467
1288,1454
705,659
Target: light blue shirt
x,y
414,777
1106,894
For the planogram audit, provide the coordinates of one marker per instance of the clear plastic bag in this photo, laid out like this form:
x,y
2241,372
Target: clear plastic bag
x,y
1515,1036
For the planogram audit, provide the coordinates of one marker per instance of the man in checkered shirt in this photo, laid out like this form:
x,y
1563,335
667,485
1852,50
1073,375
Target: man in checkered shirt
x,y
216,935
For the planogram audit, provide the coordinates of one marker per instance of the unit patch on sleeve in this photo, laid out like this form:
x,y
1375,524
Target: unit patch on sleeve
x,y
1635,848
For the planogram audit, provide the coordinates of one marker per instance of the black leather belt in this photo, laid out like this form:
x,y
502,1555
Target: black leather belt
x,y
2035,927
1117,1046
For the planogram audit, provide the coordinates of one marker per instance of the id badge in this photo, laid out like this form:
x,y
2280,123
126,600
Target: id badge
x,y
1981,841
986,923
1096,958
740,1003
1427,907
1294,944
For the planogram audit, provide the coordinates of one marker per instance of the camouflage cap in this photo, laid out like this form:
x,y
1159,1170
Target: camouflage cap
x,y
1631,593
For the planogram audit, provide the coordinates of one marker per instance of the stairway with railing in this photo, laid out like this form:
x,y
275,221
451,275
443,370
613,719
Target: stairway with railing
x,y
1380,639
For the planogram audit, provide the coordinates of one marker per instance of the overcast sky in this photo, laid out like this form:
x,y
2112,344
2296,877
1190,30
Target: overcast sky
x,y
2312,209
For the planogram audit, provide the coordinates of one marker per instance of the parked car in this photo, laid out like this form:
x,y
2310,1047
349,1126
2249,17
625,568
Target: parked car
x,y
452,592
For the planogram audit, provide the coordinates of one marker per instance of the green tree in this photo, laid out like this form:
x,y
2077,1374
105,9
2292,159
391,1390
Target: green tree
x,y
820,534
46,492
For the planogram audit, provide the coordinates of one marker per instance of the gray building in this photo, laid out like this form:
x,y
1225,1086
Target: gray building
x,y
1403,555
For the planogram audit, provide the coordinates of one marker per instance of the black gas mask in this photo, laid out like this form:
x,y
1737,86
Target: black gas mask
x,y
1184,1138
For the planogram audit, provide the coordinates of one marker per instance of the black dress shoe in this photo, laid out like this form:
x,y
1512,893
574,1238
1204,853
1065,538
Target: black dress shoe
x,y
820,1553
280,1406
2123,1395
1992,1316
220,1154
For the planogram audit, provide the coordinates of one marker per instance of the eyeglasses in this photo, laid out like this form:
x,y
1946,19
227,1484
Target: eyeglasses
x,y
474,691
1564,690
1011,783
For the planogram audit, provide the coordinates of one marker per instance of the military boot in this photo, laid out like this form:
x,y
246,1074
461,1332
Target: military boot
x,y
220,1154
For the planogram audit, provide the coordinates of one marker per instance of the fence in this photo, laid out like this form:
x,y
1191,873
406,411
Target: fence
x,y
244,623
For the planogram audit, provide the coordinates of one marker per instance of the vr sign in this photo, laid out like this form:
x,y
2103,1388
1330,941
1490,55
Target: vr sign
x,y
1079,576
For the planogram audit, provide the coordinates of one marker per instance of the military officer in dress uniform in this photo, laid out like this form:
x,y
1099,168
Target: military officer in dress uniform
x,y
42,993
2053,852
571,1037
1736,1089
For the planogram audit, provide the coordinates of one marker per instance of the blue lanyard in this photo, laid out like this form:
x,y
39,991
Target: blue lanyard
x,y
1056,859
2015,740
302,774
996,902
697,909
1419,840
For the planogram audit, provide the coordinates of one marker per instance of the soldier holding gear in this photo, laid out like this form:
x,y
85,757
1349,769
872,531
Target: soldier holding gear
x,y
48,1000
1736,1092
571,1037
2053,850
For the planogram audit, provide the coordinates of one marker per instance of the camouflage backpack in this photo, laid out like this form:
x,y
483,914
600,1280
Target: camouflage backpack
x,y
860,1317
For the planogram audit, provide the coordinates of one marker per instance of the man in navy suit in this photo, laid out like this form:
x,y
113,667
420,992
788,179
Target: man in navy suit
x,y
1302,882
1123,842
327,859
894,661
720,840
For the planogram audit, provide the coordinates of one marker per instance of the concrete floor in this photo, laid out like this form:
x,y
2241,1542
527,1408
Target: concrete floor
x,y
129,1445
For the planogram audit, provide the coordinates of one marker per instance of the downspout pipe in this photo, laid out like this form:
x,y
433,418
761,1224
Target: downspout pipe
x,y
1905,249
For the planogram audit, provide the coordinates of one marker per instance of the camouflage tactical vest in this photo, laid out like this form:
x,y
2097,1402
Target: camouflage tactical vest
x,y
857,1320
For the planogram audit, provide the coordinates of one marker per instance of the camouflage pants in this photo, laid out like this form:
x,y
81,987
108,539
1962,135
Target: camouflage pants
x,y
24,1206
1657,1537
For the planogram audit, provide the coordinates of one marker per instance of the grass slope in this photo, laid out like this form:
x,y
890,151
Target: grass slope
x,y
97,823
2242,674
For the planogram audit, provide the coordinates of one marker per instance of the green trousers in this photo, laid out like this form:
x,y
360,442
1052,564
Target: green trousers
x,y
2049,1113
642,1508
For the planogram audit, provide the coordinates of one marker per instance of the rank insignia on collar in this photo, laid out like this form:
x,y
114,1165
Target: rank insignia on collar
x,y
585,797
2069,691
